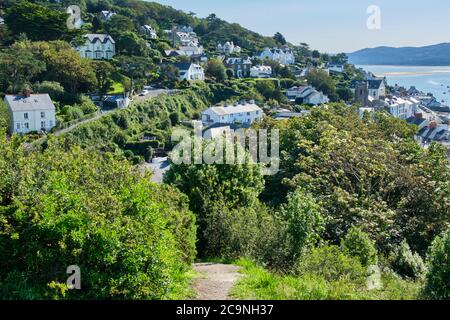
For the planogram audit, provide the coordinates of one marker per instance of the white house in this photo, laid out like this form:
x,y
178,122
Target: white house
x,y
190,71
337,68
284,55
184,36
306,95
98,46
228,48
243,113
186,51
400,108
31,112
261,72
106,15
149,31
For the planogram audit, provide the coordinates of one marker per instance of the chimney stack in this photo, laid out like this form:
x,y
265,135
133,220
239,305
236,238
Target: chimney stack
x,y
27,92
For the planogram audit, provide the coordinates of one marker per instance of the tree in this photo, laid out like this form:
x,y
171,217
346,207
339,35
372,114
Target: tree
x,y
64,65
279,38
39,22
320,80
103,73
61,207
437,284
119,24
215,69
17,67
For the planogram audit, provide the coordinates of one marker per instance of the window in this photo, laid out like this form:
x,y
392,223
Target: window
x,y
42,115
27,125
248,113
42,124
25,115
18,126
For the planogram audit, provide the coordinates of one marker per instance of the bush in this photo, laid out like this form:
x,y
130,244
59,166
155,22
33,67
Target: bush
x,y
437,280
131,239
331,263
304,221
407,263
358,244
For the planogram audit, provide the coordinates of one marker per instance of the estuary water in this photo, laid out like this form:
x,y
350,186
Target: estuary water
x,y
427,79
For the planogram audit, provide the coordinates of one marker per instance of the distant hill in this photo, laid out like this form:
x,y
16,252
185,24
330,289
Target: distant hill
x,y
434,55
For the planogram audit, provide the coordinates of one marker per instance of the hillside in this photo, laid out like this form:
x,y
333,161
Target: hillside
x,y
435,55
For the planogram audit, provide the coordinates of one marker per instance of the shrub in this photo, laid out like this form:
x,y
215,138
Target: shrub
x,y
358,244
437,280
131,239
407,263
304,221
333,264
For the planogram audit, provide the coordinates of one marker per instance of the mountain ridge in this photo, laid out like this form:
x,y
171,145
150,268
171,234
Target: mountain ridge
x,y
430,55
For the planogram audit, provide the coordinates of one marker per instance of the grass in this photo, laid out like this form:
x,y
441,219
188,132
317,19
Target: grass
x,y
260,284
116,88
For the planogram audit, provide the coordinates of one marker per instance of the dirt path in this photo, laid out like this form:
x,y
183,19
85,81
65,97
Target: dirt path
x,y
215,281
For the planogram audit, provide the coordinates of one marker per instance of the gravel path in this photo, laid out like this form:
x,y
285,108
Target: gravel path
x,y
216,280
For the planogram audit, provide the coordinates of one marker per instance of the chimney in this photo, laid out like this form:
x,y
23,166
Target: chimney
x,y
27,92
418,115
433,125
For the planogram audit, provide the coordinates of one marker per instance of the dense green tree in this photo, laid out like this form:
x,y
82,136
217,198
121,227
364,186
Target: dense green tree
x,y
279,38
131,239
38,22
17,67
216,69
103,73
320,80
437,284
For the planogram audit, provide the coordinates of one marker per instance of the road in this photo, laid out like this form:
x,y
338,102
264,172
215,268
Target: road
x,y
152,94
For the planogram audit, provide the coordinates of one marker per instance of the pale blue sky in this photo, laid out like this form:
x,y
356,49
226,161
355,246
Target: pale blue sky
x,y
333,25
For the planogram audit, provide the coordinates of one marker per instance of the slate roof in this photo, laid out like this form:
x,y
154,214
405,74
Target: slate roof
x,y
222,110
92,37
372,84
33,103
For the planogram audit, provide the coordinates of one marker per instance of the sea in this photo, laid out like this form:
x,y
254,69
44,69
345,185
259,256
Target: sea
x,y
427,79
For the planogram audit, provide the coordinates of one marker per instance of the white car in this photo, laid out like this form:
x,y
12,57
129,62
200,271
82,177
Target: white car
x,y
144,93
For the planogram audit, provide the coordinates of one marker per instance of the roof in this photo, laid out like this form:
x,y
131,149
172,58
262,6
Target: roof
x,y
416,121
32,103
231,61
92,37
183,65
374,84
223,110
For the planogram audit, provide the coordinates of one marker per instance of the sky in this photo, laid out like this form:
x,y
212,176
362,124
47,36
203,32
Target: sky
x,y
333,26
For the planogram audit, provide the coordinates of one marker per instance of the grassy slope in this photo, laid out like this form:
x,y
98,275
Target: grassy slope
x,y
260,284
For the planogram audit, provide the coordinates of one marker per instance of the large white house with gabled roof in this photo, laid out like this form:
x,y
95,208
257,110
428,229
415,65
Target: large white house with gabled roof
x,y
97,46
30,112
244,113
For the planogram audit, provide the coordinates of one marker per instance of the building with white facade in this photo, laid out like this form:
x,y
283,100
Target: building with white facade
x,y
182,36
401,108
228,48
306,95
149,31
336,68
244,113
261,72
186,51
106,15
283,56
97,46
190,71
30,112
